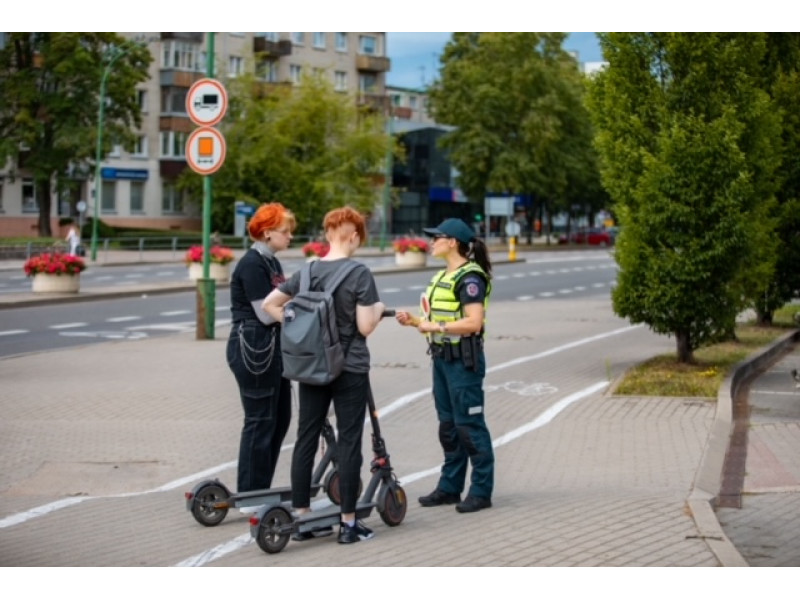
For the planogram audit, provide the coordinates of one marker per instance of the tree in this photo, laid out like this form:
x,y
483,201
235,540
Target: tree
x,y
307,147
686,136
781,282
49,104
516,101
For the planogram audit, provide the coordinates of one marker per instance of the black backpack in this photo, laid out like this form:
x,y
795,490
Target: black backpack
x,y
310,345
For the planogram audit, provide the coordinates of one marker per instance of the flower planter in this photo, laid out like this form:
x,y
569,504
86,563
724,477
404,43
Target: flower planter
x,y
410,259
56,284
216,271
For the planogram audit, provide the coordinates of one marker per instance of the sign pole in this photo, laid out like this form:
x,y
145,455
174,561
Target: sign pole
x,y
206,292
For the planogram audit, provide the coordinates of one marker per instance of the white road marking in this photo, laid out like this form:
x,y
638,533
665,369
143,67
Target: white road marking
x,y
123,319
14,331
68,325
173,313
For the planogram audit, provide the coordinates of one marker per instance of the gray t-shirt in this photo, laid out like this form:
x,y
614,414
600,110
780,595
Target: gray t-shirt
x,y
358,288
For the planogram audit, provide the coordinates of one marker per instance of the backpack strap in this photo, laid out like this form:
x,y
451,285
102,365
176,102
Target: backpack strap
x,y
305,277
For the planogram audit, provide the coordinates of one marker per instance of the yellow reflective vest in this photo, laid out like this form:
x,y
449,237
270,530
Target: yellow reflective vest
x,y
445,305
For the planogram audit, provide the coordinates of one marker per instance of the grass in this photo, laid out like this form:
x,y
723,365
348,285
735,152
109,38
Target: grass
x,y
664,376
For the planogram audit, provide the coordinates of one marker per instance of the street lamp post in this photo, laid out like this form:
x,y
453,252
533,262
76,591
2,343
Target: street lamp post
x,y
112,55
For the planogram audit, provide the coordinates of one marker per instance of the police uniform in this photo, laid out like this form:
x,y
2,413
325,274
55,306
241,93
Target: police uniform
x,y
459,367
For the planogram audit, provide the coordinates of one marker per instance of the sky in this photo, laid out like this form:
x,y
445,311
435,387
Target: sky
x,y
415,55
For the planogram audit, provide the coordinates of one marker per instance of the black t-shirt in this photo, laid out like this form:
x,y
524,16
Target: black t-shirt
x,y
358,288
254,277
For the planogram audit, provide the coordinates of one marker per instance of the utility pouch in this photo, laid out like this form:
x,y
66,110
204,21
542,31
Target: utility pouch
x,y
468,352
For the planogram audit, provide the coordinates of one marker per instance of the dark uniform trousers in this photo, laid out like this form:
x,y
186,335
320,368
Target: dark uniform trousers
x,y
463,434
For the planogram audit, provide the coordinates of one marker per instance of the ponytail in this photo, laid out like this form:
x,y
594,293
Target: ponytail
x,y
477,251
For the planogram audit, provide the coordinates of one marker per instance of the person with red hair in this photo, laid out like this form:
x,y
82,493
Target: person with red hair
x,y
253,350
358,312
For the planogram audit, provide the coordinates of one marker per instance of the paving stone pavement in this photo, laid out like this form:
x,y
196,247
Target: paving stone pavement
x,y
584,478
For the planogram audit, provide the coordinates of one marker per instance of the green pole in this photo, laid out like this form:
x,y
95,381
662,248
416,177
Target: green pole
x,y
98,176
206,286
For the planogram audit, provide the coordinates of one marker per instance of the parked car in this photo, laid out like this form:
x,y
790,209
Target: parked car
x,y
591,236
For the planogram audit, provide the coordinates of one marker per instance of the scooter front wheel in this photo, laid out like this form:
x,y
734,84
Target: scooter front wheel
x,y
210,505
272,536
392,505
332,480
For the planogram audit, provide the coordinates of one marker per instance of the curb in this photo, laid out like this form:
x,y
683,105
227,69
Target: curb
x,y
708,479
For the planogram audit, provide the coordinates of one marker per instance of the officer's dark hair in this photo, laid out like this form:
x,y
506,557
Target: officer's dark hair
x,y
476,250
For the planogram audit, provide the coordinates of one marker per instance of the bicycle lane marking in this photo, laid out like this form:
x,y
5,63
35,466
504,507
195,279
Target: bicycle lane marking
x,y
239,542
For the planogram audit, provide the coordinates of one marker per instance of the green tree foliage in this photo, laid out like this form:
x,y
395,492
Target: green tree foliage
x,y
308,147
782,80
517,102
49,90
686,135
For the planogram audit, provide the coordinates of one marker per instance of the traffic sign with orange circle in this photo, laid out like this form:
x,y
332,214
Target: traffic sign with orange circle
x,y
205,150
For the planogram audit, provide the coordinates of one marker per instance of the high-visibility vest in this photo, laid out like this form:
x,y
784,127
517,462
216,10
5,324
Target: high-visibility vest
x,y
445,305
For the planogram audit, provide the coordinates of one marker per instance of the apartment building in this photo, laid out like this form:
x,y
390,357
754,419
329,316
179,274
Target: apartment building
x,y
139,185
409,104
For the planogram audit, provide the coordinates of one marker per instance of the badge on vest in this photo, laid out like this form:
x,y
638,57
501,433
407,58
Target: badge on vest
x,y
474,410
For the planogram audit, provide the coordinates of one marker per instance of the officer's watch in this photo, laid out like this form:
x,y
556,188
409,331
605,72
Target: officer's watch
x,y
442,328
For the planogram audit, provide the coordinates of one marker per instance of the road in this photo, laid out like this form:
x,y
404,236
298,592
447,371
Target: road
x,y
31,329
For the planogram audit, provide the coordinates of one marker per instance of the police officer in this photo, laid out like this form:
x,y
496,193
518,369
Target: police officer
x,y
454,309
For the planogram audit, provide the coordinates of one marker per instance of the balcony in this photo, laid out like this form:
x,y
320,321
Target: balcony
x,y
375,102
176,78
402,112
184,36
181,124
171,168
375,64
272,49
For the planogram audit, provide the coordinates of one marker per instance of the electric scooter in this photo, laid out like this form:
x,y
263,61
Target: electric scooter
x,y
273,524
210,500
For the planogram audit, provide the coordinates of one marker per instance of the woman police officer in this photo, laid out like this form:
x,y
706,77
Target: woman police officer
x,y
458,296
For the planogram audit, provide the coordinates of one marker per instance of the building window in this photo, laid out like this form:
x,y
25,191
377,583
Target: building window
x,y
141,100
412,102
295,73
1,195
268,71
319,40
235,66
173,100
29,203
137,196
367,83
340,81
341,42
140,147
270,36
367,44
184,56
298,38
173,144
108,204
395,98
171,199
116,151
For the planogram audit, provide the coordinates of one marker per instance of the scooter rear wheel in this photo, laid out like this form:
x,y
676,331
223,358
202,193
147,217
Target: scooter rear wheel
x,y
271,537
394,504
206,509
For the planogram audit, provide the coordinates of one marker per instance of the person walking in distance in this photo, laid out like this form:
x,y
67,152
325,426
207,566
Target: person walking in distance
x,y
253,350
453,319
358,311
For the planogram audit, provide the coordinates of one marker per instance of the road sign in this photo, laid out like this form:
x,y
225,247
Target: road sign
x,y
206,102
205,150
512,229
81,206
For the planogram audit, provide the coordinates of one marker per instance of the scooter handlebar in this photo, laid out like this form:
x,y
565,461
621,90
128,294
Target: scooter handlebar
x,y
388,312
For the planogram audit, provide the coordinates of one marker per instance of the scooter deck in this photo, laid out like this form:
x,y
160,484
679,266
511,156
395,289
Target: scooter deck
x,y
277,495
328,517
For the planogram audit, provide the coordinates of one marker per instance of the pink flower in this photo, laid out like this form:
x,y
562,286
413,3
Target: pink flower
x,y
54,264
217,254
410,244
316,249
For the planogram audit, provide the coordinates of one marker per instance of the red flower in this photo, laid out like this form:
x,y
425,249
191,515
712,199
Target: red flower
x,y
316,249
217,254
54,264
410,244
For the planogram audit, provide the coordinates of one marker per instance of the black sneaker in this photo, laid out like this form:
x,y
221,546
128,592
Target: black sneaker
x,y
473,504
356,533
437,497
302,536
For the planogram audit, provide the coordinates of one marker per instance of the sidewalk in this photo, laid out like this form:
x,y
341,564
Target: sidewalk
x,y
765,531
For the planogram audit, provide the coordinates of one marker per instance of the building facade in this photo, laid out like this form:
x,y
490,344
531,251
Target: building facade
x,y
139,184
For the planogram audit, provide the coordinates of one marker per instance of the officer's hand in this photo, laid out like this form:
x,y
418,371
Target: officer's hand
x,y
404,318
